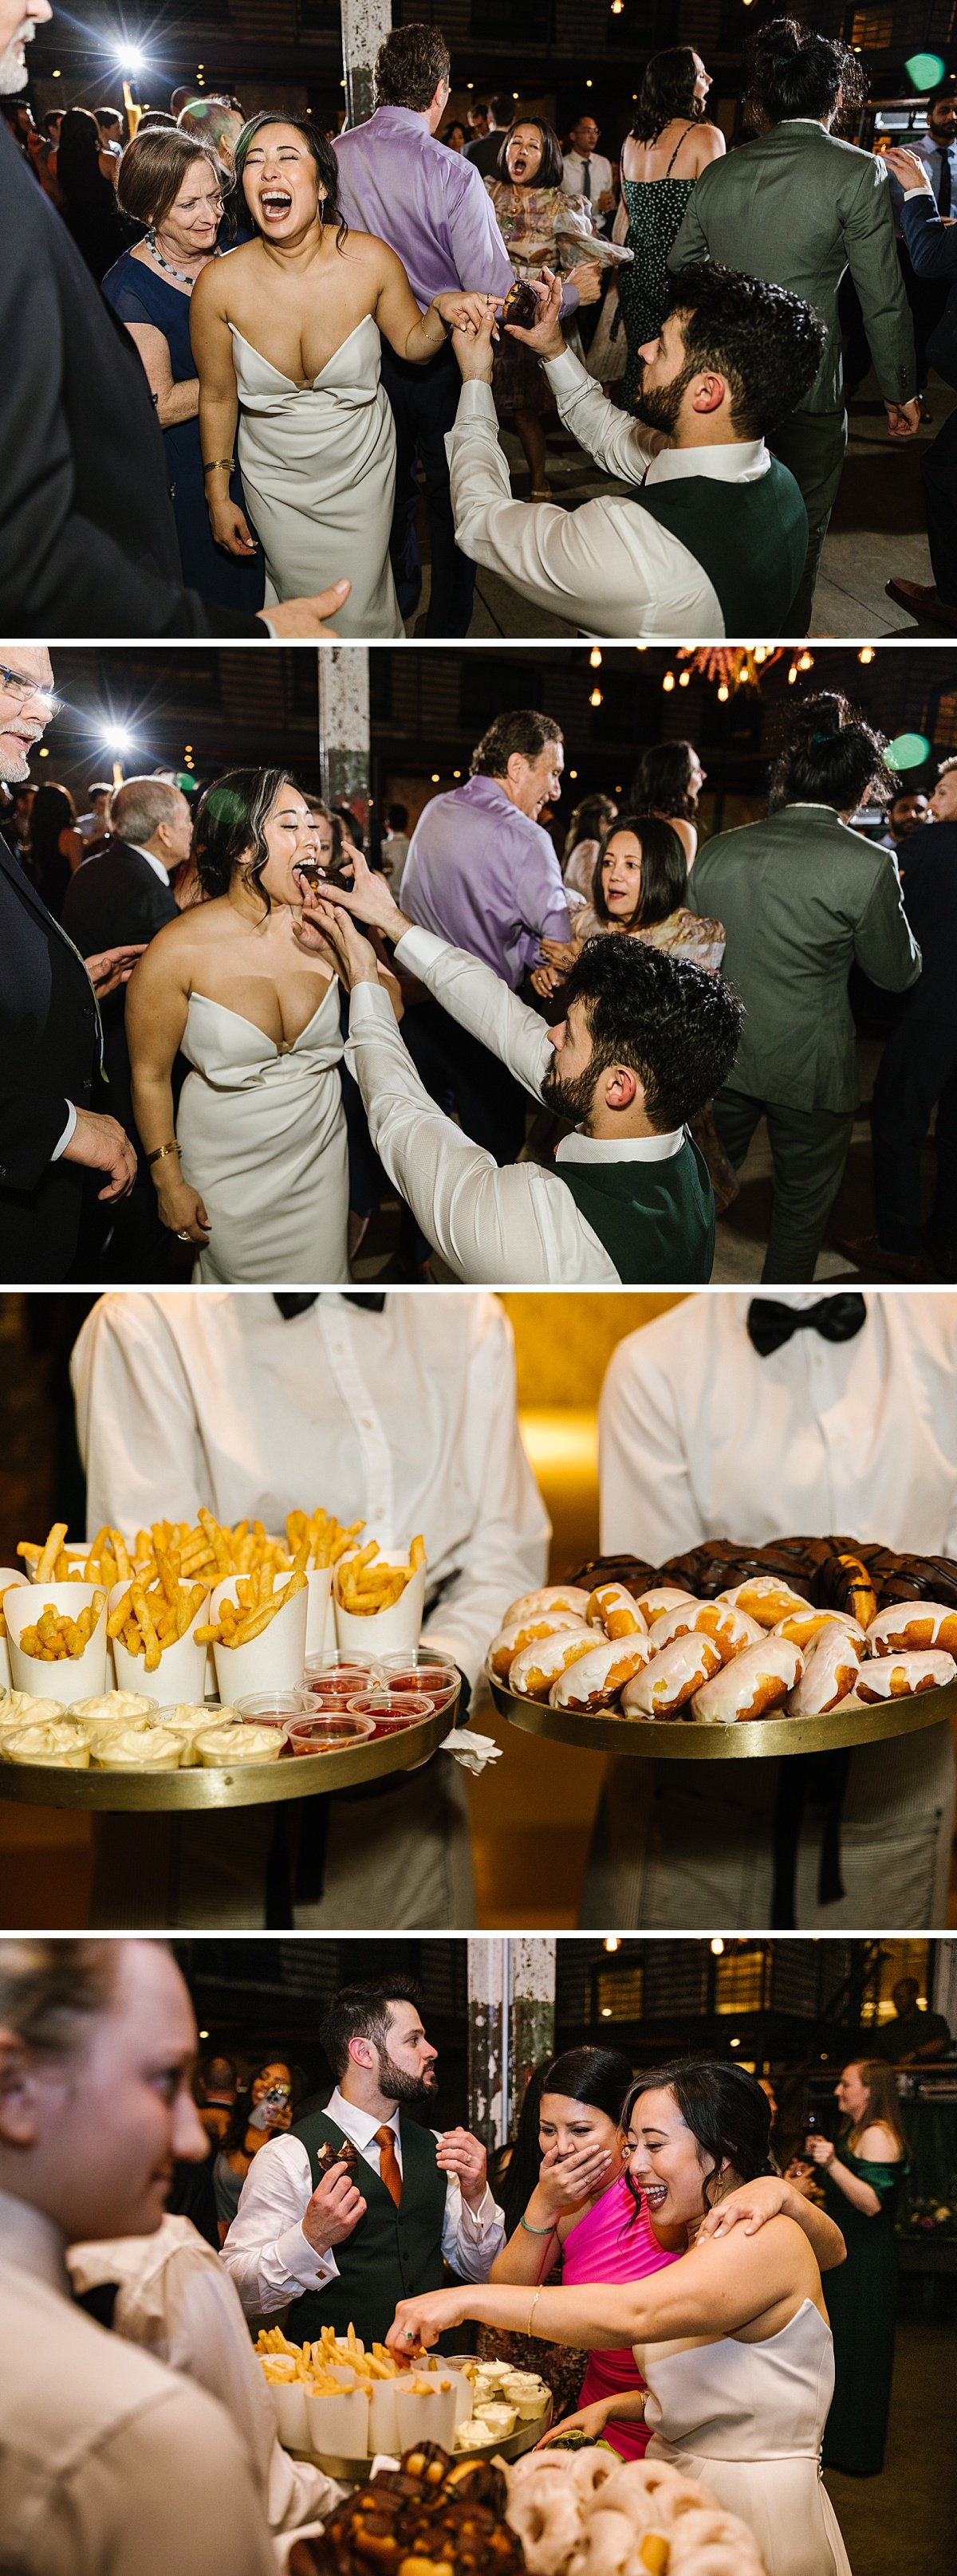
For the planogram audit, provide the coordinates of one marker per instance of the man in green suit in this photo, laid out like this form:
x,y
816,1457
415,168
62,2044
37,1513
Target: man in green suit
x,y
801,896
799,207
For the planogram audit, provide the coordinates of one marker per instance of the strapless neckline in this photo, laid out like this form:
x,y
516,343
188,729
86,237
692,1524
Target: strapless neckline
x,y
283,1047
290,380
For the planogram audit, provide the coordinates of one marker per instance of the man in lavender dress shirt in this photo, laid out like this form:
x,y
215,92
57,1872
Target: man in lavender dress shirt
x,y
432,207
483,874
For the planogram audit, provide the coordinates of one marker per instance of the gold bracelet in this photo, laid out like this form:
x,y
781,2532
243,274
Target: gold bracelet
x,y
530,2327
161,1150
220,463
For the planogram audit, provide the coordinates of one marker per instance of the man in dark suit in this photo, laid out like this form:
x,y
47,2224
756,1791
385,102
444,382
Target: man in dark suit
x,y
932,247
123,894
50,1033
87,532
918,1069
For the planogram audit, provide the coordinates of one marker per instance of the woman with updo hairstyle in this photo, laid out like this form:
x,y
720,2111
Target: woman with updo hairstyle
x,y
86,178
286,341
863,2173
804,896
171,185
253,1173
730,2334
670,143
800,207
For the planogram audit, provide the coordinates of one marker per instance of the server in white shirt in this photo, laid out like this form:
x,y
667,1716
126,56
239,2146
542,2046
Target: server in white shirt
x,y
108,2460
336,2243
712,541
848,1426
399,1411
635,1058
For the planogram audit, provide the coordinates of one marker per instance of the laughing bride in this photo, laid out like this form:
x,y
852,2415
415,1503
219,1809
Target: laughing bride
x,y
255,1171
285,332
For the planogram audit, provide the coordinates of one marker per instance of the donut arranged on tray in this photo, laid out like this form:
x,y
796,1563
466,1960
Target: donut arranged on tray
x,y
728,1633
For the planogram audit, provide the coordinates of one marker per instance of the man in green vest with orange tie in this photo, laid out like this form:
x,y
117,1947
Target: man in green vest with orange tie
x,y
361,2205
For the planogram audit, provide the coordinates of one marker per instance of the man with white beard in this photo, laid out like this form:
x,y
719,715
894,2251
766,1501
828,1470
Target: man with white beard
x,y
730,1418
49,1024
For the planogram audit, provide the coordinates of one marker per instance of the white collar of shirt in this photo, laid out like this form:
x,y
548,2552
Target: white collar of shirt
x,y
359,2125
625,1149
154,863
742,461
32,2241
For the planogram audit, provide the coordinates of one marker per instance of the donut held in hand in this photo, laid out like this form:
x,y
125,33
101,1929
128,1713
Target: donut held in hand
x,y
754,1685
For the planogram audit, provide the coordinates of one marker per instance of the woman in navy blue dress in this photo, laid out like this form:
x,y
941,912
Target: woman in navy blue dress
x,y
173,185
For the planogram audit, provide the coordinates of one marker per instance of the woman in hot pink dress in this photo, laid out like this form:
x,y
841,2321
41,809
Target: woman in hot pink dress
x,y
585,2215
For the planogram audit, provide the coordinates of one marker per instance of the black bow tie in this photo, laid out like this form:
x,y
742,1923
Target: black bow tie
x,y
837,1319
290,1307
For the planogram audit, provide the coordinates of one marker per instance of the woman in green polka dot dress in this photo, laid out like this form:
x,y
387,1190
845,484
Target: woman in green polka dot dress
x,y
669,145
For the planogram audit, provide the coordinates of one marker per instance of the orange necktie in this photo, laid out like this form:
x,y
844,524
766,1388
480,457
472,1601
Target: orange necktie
x,y
389,2170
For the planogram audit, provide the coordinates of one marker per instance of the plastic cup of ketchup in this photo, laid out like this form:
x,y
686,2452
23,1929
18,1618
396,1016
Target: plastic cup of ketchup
x,y
330,1731
391,1711
429,1675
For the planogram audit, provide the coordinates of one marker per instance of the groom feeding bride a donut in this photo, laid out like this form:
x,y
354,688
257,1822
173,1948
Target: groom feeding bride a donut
x,y
646,1041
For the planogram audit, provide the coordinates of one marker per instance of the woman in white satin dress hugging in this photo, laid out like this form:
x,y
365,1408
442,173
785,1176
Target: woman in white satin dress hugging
x,y
285,334
732,2340
254,1172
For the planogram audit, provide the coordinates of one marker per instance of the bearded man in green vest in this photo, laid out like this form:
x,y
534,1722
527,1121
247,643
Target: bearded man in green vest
x,y
644,1043
340,2243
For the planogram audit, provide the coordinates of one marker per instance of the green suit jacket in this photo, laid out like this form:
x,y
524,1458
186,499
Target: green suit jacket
x,y
801,897
799,207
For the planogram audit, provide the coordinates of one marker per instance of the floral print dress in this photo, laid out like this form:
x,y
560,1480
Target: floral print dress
x,y
541,228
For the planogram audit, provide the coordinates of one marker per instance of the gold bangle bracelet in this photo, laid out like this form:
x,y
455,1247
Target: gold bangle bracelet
x,y
161,1150
220,464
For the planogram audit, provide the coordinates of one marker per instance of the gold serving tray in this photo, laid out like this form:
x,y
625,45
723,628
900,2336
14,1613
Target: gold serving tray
x,y
355,2472
753,1740
251,1784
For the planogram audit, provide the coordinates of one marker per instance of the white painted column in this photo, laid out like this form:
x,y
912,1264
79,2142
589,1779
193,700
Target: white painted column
x,y
364,24
511,2027
344,735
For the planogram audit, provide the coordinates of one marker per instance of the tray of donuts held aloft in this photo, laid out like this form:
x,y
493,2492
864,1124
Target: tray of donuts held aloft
x,y
733,1652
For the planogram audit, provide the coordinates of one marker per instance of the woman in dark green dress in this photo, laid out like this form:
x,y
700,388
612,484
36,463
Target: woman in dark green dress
x,y
669,145
863,2176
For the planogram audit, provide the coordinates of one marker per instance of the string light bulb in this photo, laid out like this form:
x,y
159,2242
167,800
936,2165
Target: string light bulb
x,y
595,658
668,683
723,694
866,653
613,1942
805,661
596,699
684,679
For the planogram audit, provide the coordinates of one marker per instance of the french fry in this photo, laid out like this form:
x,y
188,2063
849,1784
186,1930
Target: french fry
x,y
50,1552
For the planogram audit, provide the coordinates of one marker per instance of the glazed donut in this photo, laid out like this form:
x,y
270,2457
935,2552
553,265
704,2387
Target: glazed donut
x,y
590,2472
661,1598
755,1684
533,1670
532,1624
764,1597
804,1626
594,1680
830,1672
899,1676
672,1677
706,2541
545,2515
613,1609
607,2546
552,1596
911,1625
731,1629
650,2491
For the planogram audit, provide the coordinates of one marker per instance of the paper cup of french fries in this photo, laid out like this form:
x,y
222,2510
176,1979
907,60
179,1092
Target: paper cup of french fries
x,y
380,1598
325,1540
61,1560
56,1637
8,1575
256,1626
151,1626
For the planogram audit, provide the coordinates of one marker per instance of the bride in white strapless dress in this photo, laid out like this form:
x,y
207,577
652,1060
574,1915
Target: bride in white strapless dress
x,y
256,1173
732,2338
286,332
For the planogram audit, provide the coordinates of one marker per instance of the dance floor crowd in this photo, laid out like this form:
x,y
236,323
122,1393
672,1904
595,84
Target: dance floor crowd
x,y
313,321
475,1059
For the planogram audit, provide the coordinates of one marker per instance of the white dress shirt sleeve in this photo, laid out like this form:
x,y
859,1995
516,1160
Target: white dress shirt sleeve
x,y
69,1130
135,1416
494,1228
507,1546
471,2238
482,1003
648,1506
265,2253
205,2336
610,436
